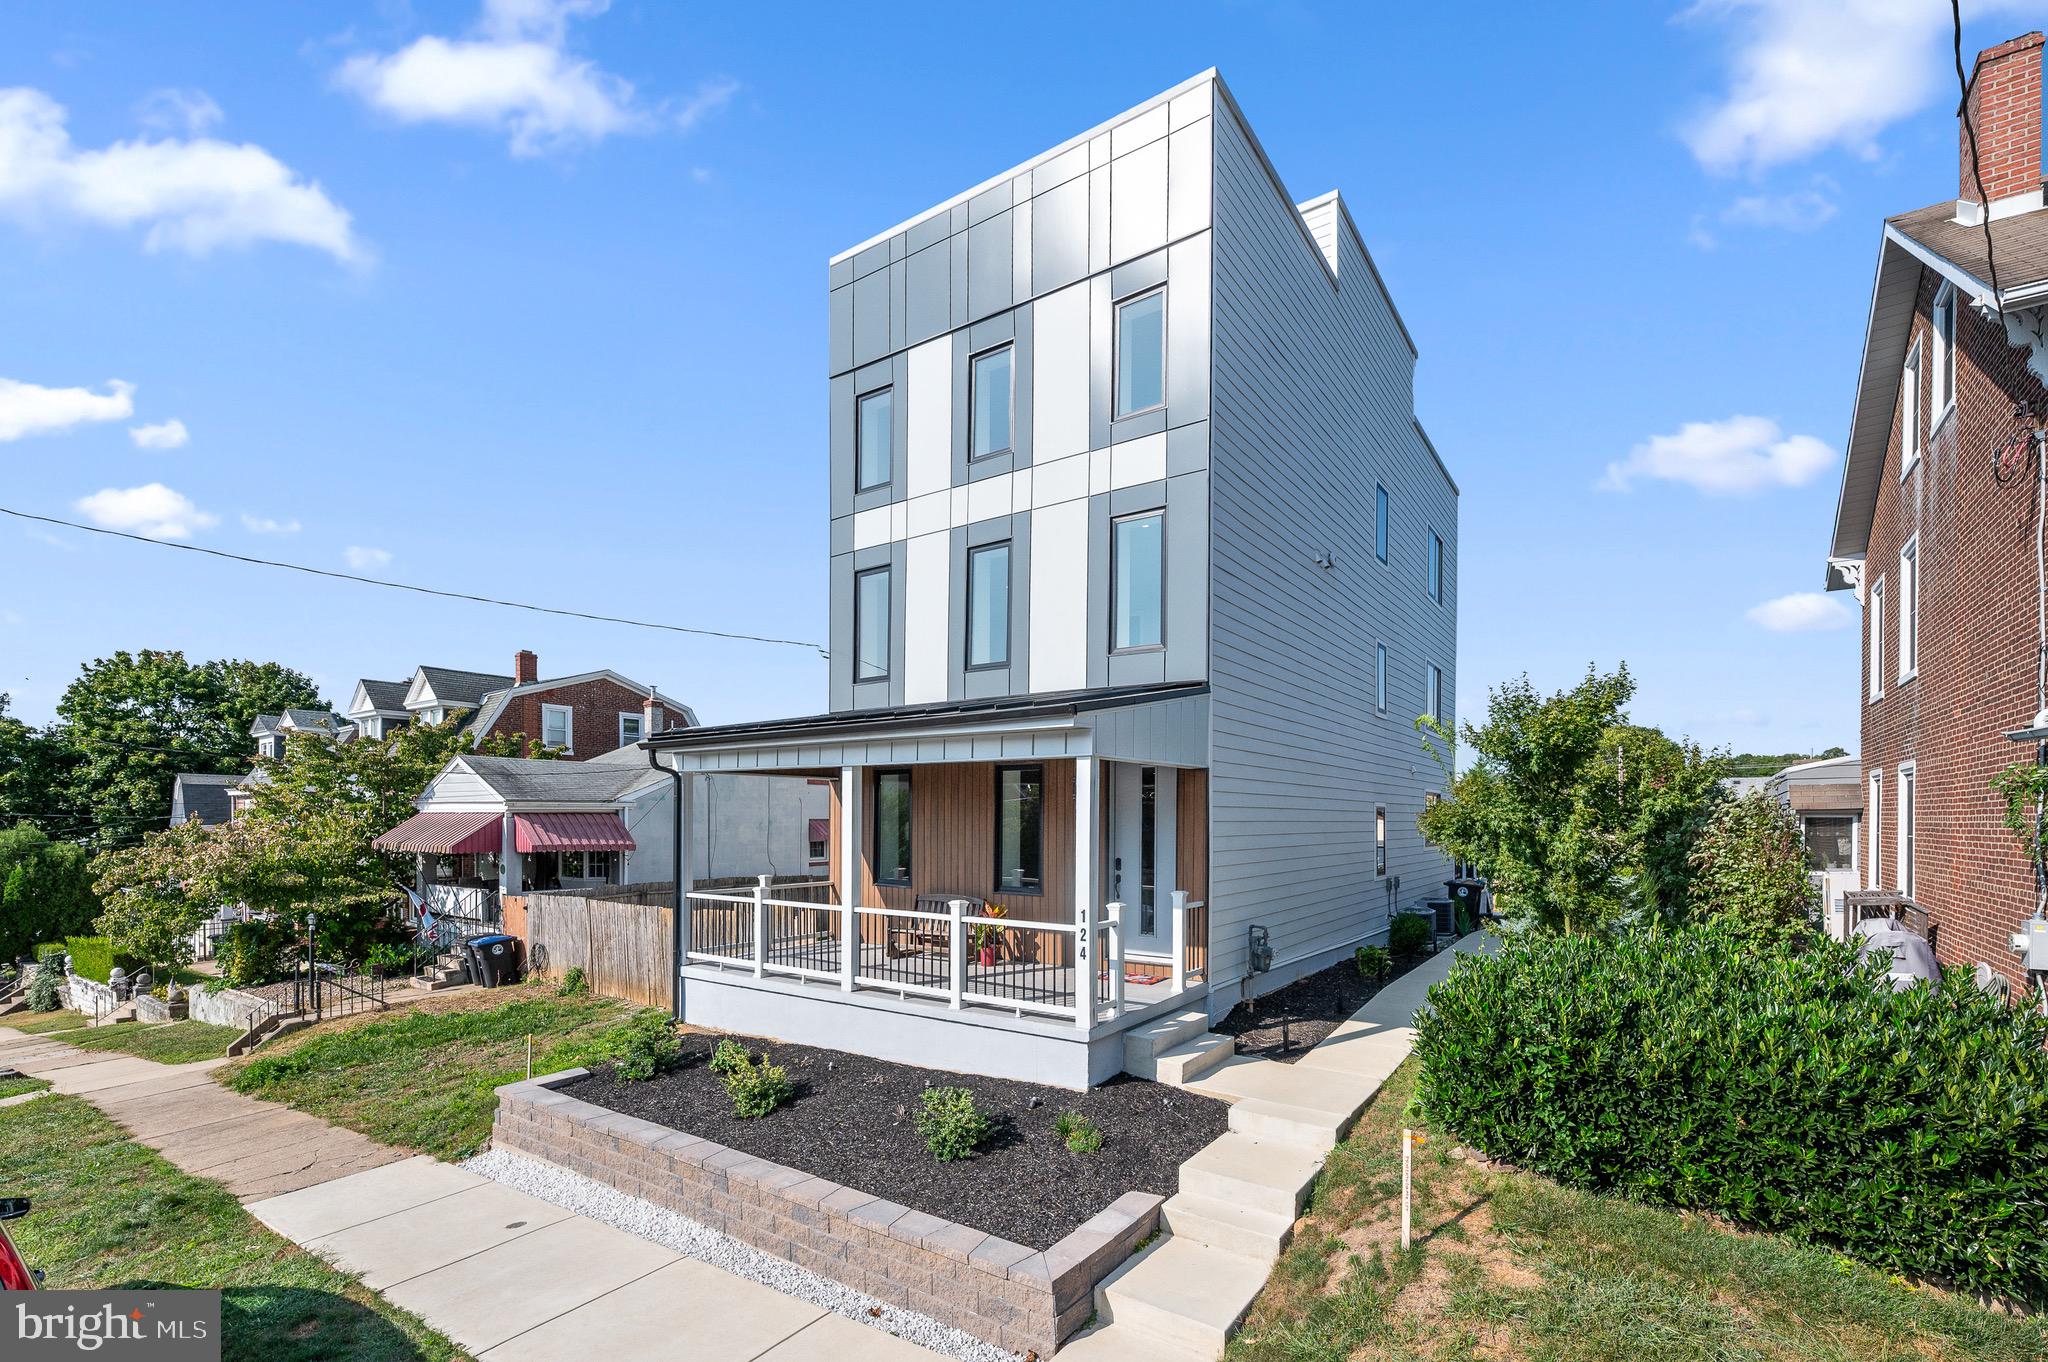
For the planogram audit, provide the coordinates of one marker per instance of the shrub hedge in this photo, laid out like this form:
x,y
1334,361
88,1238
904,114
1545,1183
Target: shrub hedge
x,y
1790,1090
94,957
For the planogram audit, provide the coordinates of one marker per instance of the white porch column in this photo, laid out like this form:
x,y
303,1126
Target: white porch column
x,y
849,874
1180,941
1087,855
511,877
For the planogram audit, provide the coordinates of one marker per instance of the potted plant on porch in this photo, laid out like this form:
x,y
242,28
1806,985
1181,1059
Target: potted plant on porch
x,y
987,936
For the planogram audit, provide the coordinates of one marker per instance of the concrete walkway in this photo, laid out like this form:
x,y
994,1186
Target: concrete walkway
x,y
508,1277
1182,1299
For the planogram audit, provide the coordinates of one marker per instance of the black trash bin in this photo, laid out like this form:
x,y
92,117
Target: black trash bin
x,y
493,960
1466,896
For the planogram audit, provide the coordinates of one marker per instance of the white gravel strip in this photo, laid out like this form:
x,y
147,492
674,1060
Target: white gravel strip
x,y
587,1196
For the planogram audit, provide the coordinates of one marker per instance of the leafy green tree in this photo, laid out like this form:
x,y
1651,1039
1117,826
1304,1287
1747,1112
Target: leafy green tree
x,y
1769,764
136,720
1581,819
46,891
35,772
158,891
1749,867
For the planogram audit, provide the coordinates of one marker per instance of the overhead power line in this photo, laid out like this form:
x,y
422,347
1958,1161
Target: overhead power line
x,y
818,648
1955,9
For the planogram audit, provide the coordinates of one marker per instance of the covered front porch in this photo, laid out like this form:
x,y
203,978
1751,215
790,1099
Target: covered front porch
x,y
1027,881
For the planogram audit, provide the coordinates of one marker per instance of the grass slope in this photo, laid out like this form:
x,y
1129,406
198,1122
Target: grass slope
x,y
15,1087
1510,1266
179,1042
110,1214
423,1079
41,1023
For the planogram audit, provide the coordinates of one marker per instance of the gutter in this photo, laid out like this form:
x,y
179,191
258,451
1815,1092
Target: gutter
x,y
675,973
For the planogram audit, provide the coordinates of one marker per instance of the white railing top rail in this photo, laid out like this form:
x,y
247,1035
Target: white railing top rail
x,y
706,896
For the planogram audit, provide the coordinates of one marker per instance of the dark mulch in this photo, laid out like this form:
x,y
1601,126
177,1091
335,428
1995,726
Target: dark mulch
x,y
1286,1024
853,1120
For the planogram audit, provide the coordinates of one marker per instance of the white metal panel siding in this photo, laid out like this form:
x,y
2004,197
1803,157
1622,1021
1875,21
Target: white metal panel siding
x,y
1060,377
1313,409
927,613
931,417
1059,597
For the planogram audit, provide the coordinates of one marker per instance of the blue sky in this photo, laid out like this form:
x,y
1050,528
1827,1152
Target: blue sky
x,y
528,299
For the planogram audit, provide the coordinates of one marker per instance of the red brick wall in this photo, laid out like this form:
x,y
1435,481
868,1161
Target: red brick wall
x,y
2005,108
598,705
1977,648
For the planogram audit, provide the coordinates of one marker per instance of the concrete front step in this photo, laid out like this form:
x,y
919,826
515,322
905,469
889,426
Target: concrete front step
x,y
1190,1059
1101,1343
1248,1078
1143,1044
1288,1124
1266,1175
1188,1295
1227,1225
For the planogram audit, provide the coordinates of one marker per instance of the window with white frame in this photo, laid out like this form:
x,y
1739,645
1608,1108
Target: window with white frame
x,y
1908,790
1379,679
1874,609
1909,609
1944,331
1873,875
1141,353
1909,413
629,727
1433,695
558,727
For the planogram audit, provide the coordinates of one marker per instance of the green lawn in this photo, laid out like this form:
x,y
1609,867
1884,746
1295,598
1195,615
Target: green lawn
x,y
15,1087
1510,1266
423,1078
40,1023
178,1042
111,1214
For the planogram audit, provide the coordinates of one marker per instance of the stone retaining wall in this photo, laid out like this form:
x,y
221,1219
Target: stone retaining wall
x,y
1003,1293
224,1006
89,997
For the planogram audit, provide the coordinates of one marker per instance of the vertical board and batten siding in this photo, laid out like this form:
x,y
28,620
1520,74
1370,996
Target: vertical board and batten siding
x,y
1313,409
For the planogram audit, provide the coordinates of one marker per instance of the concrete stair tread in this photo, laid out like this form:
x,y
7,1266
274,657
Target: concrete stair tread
x,y
1307,1126
1163,1033
1245,1078
1261,1163
1185,1292
1228,1225
1106,1344
1190,1059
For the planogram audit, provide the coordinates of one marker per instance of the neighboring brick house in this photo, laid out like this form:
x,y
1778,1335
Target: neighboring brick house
x,y
582,716
1938,527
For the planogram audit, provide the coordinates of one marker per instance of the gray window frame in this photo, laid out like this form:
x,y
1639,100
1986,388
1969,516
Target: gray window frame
x,y
1436,567
967,635
1116,353
858,425
1140,648
973,390
1382,524
1379,841
995,853
909,827
884,571
1379,681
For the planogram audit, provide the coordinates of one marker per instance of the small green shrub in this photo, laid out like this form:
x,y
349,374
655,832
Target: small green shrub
x,y
574,983
1082,1136
43,995
49,950
254,953
1409,933
952,1126
1786,1087
650,1045
94,958
729,1057
389,958
1373,962
756,1089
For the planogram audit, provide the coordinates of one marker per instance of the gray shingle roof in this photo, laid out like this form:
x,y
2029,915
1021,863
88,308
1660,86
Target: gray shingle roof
x,y
2019,242
569,781
265,725
463,688
205,797
313,718
385,694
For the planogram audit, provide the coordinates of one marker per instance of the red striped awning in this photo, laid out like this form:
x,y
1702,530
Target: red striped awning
x,y
821,829
570,832
448,833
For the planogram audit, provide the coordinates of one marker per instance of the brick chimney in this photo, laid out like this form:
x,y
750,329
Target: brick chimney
x,y
651,717
2004,104
525,666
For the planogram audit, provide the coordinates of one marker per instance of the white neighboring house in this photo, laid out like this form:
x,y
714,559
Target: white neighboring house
x,y
1827,798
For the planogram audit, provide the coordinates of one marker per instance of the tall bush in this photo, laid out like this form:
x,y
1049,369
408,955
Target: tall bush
x,y
1749,867
46,891
1790,1090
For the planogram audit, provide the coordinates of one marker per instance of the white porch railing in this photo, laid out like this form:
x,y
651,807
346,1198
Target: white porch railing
x,y
1067,970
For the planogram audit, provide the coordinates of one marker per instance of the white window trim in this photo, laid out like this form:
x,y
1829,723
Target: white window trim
x,y
1909,413
1116,352
1874,604
1909,609
568,713
1876,821
1907,811
635,716
1944,353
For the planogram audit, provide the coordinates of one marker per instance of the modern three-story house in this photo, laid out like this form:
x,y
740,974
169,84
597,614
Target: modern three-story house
x,y
1142,570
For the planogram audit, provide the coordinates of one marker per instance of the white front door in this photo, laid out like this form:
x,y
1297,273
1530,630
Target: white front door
x,y
1142,800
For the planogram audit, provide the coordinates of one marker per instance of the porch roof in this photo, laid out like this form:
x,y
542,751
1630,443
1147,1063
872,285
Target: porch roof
x,y
945,714
452,834
570,832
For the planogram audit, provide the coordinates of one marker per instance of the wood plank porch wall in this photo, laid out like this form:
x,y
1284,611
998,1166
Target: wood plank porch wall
x,y
1191,861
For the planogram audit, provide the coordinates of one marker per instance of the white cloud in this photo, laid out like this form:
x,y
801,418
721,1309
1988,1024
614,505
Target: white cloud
x,y
711,96
263,524
30,409
1801,612
193,195
512,76
1738,455
1809,75
169,434
1802,210
362,558
188,111
152,509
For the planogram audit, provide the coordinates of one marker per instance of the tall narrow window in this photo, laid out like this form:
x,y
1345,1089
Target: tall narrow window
x,y
1944,351
1379,524
1908,781
1379,840
1909,609
874,439
1020,829
1873,877
1433,697
1141,353
1909,413
558,727
1875,610
871,625
1148,851
1436,567
1379,679
990,385
1137,556
892,827
988,606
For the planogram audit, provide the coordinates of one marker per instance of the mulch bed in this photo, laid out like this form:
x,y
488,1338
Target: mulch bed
x,y
1286,1024
853,1120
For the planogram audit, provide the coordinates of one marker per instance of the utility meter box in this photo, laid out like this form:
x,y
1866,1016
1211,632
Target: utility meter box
x,y
2036,953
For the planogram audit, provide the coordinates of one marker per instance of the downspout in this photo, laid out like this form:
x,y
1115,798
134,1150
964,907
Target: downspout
x,y
675,941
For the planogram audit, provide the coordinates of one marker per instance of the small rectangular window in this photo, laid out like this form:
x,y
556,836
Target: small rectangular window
x,y
1379,840
558,727
1909,609
892,827
990,382
874,439
629,728
1873,873
1830,842
871,625
1020,829
1379,689
1875,610
1379,531
1137,559
1141,353
1909,413
1436,567
988,606
1433,697
1908,781
1944,351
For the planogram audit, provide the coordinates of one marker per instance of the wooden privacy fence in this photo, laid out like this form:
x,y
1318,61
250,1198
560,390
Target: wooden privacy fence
x,y
620,937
